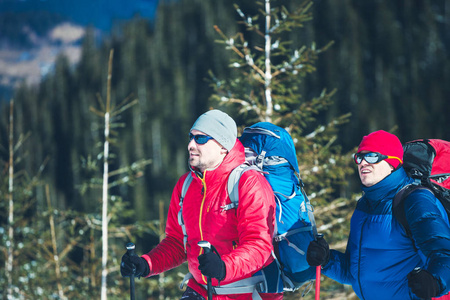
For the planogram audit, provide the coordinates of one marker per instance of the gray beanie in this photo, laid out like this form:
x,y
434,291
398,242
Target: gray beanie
x,y
219,126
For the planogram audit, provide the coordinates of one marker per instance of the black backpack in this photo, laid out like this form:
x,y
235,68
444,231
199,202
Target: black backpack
x,y
428,162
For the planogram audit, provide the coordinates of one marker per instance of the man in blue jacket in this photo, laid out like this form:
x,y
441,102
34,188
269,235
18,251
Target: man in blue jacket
x,y
381,261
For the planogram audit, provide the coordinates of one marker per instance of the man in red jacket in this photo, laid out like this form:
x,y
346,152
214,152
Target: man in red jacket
x,y
242,235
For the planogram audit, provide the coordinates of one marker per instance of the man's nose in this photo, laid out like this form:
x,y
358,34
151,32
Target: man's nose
x,y
191,144
364,162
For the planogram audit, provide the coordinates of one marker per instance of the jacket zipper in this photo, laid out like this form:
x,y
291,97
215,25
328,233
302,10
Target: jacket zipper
x,y
234,245
359,259
201,216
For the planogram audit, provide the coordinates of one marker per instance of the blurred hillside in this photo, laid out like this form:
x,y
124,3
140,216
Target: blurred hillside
x,y
34,33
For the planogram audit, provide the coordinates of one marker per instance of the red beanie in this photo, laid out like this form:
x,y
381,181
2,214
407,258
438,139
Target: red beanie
x,y
385,143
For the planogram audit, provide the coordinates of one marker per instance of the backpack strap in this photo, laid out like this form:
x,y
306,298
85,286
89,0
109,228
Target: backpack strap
x,y
233,183
398,206
232,187
260,282
184,189
257,283
252,285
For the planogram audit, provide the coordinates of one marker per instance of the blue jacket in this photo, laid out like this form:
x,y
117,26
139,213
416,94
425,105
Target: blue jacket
x,y
379,254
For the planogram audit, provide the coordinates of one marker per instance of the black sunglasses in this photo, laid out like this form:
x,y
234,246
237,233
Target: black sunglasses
x,y
200,139
372,157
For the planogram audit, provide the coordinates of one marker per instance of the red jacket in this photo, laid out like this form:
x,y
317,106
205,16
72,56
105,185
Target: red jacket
x,y
242,236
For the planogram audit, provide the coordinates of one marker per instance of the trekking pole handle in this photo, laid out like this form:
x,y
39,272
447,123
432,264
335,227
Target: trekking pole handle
x,y
130,250
206,246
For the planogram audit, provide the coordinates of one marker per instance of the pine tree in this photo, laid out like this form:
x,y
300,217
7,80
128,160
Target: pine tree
x,y
269,73
266,84
109,113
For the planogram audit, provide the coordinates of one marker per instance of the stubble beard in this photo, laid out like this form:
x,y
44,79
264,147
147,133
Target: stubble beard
x,y
195,162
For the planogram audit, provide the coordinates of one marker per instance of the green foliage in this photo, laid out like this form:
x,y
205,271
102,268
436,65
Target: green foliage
x,y
269,71
57,252
281,76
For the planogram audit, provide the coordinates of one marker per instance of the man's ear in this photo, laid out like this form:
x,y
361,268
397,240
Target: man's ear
x,y
223,151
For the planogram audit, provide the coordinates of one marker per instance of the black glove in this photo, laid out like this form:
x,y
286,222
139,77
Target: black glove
x,y
130,262
318,253
211,265
423,284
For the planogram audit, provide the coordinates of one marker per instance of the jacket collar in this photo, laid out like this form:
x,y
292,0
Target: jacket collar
x,y
388,187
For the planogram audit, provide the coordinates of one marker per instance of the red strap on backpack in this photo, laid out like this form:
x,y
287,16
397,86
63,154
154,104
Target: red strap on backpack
x,y
441,163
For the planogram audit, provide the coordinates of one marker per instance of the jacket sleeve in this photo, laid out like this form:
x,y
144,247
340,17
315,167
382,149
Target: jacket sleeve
x,y
169,253
338,267
256,222
430,229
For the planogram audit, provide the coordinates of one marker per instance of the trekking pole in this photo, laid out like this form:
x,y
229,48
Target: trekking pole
x,y
318,282
207,248
318,269
130,250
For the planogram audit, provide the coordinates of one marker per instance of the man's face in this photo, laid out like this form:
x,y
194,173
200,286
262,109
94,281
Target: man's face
x,y
206,156
371,174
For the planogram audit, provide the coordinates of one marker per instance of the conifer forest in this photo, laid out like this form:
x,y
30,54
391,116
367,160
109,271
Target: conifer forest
x,y
90,155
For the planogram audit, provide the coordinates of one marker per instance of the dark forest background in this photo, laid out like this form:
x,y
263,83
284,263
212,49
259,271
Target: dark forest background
x,y
389,64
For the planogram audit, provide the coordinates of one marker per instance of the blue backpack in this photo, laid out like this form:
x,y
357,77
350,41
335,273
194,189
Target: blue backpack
x,y
269,149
